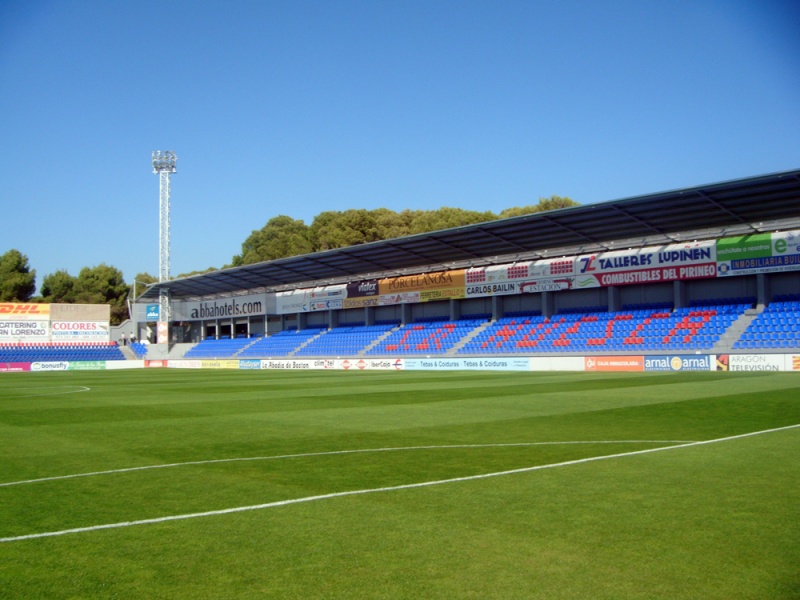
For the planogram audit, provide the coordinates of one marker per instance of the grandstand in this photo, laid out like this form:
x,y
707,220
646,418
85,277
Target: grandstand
x,y
432,337
775,327
640,331
711,269
708,270
57,352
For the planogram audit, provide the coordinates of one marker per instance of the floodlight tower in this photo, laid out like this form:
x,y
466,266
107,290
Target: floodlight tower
x,y
164,165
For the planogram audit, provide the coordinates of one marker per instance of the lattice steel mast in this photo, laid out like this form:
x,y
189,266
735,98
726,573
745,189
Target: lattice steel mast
x,y
164,166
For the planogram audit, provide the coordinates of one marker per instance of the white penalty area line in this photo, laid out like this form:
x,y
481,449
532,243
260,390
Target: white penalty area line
x,y
408,486
70,389
328,453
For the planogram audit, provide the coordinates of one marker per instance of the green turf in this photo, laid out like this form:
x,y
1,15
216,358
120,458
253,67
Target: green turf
x,y
719,520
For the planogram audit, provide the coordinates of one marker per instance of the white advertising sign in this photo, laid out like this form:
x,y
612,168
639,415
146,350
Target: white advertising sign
x,y
222,308
17,330
79,331
696,260
492,289
553,267
756,362
329,297
401,298
293,301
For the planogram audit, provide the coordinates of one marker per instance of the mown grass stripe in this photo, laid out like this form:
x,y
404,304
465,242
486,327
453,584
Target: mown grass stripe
x,y
292,501
328,453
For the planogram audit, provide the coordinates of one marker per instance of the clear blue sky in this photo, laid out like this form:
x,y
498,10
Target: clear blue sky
x,y
297,107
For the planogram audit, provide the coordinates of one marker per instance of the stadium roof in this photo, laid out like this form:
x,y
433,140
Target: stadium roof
x,y
744,206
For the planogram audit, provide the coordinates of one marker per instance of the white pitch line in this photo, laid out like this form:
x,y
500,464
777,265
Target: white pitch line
x,y
78,389
329,453
408,486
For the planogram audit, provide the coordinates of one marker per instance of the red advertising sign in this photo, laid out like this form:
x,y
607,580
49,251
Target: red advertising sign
x,y
13,367
701,271
614,363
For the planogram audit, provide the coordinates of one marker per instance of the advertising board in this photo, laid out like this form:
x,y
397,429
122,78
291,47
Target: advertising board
x,y
547,284
21,322
221,308
676,362
758,253
327,297
14,367
548,275
50,365
311,299
16,329
89,365
291,301
249,363
220,364
118,365
159,364
400,298
558,363
430,287
371,364
152,312
674,262
37,323
614,363
356,364
20,312
751,362
476,290
361,293
513,363
80,312
162,332
79,331
553,267
183,363
302,364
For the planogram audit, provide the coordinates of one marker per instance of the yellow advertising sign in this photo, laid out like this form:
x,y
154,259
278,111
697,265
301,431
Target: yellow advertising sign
x,y
24,311
446,294
360,302
446,284
219,364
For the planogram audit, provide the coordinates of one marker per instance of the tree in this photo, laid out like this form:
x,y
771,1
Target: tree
x,y
446,218
140,283
17,280
282,236
58,287
197,272
556,202
103,284
335,229
545,204
391,224
146,278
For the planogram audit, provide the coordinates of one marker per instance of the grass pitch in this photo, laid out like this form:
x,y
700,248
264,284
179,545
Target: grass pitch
x,y
132,450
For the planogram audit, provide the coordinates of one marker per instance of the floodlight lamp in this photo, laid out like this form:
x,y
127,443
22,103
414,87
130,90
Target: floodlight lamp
x,y
164,161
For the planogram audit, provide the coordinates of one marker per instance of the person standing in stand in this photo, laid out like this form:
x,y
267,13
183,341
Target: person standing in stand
x,y
124,340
